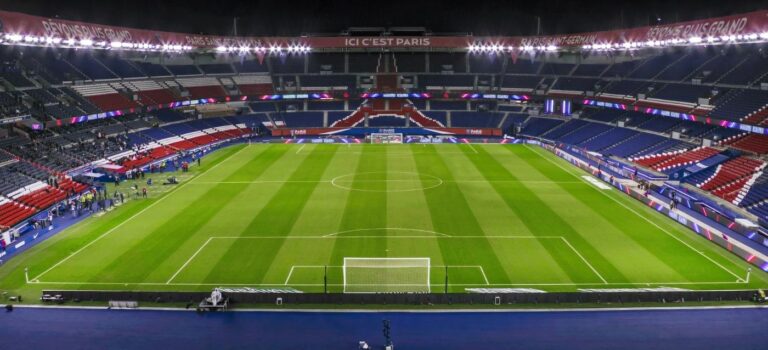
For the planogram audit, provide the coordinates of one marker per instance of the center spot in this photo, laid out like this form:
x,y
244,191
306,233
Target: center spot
x,y
391,181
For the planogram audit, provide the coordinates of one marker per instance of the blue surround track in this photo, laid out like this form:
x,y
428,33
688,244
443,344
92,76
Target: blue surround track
x,y
60,328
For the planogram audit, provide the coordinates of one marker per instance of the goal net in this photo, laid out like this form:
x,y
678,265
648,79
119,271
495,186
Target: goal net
x,y
379,137
386,275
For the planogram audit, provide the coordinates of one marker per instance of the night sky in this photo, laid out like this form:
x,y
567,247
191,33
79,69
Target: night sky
x,y
284,17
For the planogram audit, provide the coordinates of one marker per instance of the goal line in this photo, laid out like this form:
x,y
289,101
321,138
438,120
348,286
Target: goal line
x,y
376,275
296,270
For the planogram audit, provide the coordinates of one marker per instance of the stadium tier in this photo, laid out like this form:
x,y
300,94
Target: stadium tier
x,y
162,169
701,82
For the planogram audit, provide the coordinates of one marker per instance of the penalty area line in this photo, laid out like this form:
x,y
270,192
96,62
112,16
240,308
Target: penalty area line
x,y
135,215
290,273
642,217
189,260
482,271
584,260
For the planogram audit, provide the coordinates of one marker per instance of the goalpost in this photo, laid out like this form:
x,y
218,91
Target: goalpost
x,y
386,275
381,137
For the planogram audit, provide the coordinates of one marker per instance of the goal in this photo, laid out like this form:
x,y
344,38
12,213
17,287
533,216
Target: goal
x,y
386,275
379,137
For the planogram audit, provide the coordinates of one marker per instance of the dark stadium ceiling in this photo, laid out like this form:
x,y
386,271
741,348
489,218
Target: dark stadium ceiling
x,y
284,17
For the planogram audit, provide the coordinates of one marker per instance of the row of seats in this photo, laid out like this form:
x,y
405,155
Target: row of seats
x,y
12,213
757,192
666,161
727,179
43,197
24,193
157,143
749,142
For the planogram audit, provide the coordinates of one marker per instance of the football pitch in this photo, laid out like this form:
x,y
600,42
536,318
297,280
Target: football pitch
x,y
287,215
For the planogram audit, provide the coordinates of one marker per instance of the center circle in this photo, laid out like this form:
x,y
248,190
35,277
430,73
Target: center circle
x,y
386,181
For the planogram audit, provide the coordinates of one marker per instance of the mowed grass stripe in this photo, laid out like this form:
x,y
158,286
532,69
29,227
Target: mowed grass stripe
x,y
231,220
484,202
322,215
417,214
54,249
364,210
525,260
247,261
452,215
632,258
575,206
124,234
688,263
542,220
162,244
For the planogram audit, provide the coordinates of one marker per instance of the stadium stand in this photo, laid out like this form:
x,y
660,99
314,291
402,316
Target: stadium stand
x,y
105,97
476,119
326,63
120,67
538,126
447,63
666,161
749,142
660,93
727,179
183,69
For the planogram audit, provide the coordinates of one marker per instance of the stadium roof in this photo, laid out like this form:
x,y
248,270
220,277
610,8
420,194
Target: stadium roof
x,y
23,29
290,18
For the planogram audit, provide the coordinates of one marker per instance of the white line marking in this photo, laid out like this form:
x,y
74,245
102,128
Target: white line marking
x,y
584,260
383,180
472,147
135,215
482,271
597,183
339,284
417,188
644,218
300,148
386,229
289,275
189,260
359,237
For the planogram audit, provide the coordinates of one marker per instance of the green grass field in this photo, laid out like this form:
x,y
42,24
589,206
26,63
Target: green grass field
x,y
282,216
